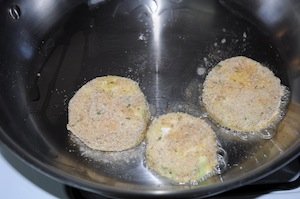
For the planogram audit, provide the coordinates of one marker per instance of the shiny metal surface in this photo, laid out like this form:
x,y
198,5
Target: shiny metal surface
x,y
168,47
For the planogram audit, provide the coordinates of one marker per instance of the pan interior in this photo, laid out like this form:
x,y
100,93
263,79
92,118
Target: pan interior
x,y
166,46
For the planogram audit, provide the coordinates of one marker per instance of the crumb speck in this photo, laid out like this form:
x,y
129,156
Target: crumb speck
x,y
142,37
265,156
201,71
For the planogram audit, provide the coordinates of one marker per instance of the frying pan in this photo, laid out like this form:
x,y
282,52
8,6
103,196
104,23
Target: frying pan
x,y
49,48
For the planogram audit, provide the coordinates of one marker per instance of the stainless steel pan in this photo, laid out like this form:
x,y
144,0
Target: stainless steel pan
x,y
49,48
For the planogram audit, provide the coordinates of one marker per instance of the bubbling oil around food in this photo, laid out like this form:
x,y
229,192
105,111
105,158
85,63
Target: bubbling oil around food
x,y
266,133
130,156
222,160
221,166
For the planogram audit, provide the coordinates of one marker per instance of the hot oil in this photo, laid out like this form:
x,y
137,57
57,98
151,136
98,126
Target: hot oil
x,y
130,156
189,103
138,66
